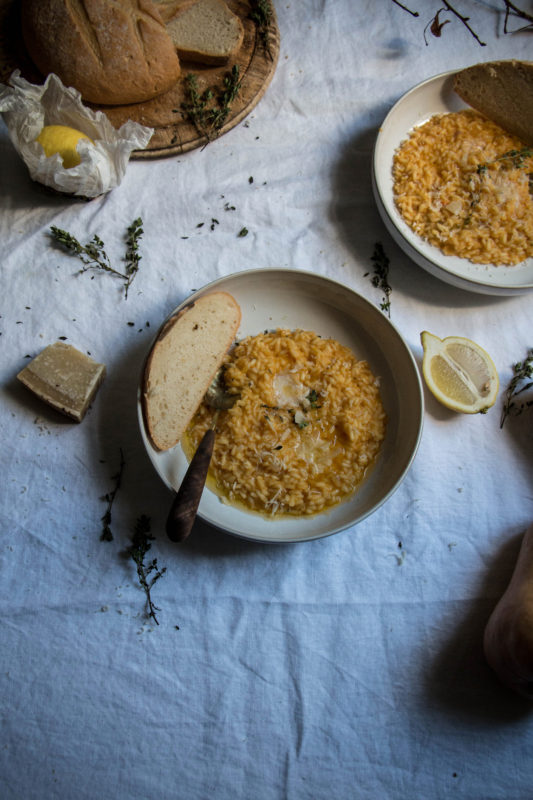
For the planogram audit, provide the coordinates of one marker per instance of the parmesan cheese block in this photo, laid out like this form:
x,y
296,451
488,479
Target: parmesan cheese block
x,y
64,378
185,358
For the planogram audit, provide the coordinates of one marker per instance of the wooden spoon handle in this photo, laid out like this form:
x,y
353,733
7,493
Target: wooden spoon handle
x,y
183,511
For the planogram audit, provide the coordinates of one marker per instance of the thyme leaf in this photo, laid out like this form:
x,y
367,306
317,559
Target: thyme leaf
x,y
380,278
522,371
313,398
141,544
109,497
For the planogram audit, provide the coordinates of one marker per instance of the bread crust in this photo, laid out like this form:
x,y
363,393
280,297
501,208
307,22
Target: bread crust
x,y
183,361
113,52
503,92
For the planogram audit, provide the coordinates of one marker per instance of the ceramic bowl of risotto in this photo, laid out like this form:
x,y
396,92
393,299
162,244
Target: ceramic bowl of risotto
x,y
450,194
328,417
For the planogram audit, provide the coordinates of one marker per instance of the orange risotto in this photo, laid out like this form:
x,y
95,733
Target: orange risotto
x,y
307,425
464,185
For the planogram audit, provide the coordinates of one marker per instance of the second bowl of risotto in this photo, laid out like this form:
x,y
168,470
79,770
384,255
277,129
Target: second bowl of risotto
x,y
454,191
328,414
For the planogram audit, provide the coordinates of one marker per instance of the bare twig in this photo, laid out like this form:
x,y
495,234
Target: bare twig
x,y
436,26
465,21
510,8
413,13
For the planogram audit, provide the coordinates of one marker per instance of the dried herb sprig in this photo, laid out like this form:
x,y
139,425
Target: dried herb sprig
x,y
141,544
380,278
195,106
261,14
209,110
109,497
516,158
522,371
133,257
231,86
94,256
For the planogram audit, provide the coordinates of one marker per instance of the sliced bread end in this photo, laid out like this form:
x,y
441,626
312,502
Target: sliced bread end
x,y
183,361
503,92
207,32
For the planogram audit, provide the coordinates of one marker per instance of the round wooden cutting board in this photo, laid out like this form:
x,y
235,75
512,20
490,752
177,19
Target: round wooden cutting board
x,y
174,133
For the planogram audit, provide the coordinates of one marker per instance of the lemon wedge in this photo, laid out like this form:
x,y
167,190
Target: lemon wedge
x,y
460,374
63,140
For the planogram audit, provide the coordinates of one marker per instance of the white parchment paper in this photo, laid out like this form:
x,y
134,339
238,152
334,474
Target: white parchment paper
x,y
27,108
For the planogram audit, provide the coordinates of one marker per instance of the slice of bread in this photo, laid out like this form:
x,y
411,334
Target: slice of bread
x,y
503,92
182,363
207,32
113,53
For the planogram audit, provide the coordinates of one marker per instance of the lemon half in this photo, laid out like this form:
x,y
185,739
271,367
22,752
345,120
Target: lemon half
x,y
63,140
460,374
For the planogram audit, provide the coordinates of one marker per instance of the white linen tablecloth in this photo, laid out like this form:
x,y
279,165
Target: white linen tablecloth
x,y
348,667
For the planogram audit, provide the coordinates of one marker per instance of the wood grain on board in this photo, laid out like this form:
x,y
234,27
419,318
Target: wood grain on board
x,y
173,132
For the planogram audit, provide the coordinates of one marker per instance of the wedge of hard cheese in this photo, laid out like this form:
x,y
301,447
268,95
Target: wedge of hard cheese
x,y
503,92
64,378
183,361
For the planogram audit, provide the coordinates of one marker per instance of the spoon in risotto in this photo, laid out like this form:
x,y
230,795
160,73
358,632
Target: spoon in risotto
x,y
185,506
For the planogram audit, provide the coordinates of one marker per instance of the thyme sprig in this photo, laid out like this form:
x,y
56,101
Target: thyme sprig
x,y
231,86
522,371
109,497
380,279
195,106
94,256
141,544
517,159
209,110
133,257
261,14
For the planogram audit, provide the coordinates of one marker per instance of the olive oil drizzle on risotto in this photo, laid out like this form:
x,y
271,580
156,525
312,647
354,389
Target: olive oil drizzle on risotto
x,y
306,427
458,186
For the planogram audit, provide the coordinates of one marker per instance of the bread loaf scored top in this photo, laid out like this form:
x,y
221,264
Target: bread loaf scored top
x,y
113,51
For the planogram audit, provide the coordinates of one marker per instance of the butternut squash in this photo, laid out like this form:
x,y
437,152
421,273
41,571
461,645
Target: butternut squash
x,y
508,637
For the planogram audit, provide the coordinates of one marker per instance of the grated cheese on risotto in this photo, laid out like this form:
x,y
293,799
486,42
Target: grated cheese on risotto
x,y
463,184
307,425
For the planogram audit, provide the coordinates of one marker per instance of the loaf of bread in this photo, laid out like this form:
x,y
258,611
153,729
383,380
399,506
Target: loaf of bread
x,y
113,52
182,363
207,32
503,92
